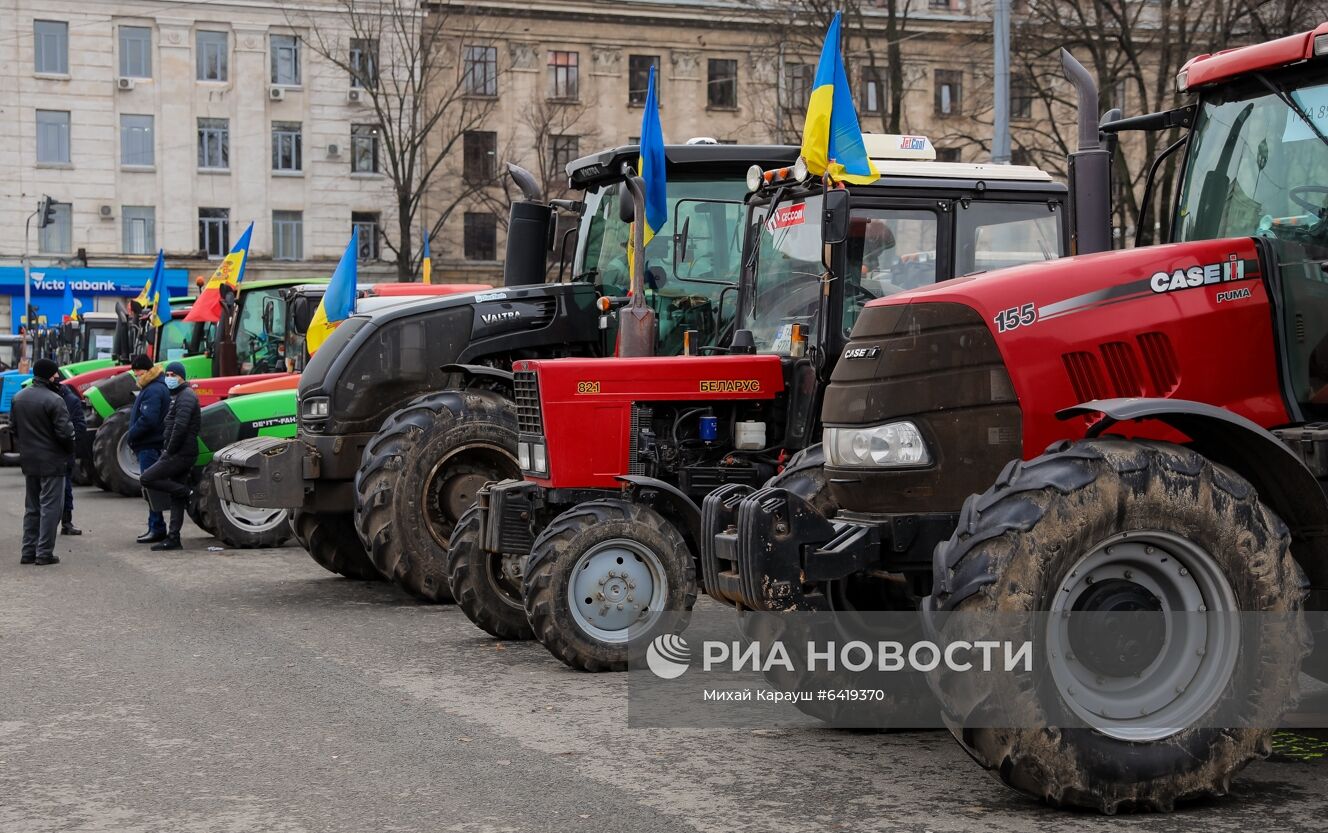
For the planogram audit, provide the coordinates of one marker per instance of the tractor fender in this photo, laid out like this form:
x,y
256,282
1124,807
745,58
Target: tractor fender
x,y
1281,478
473,373
675,502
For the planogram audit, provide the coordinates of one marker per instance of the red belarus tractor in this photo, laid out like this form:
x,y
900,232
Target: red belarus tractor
x,y
1135,430
600,538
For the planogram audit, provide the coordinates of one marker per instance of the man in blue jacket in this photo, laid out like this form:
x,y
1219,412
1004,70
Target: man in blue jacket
x,y
147,422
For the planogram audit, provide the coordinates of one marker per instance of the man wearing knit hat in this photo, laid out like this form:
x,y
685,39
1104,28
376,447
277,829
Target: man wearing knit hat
x,y
147,419
179,451
44,437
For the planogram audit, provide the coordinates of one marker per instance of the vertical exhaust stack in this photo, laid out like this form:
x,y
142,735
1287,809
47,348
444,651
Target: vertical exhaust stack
x,y
529,230
636,320
1090,168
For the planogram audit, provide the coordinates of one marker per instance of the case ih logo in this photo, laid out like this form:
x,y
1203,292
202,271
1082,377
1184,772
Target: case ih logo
x,y
912,143
495,317
730,386
862,353
1231,269
789,216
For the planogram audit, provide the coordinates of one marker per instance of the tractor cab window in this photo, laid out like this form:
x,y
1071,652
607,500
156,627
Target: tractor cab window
x,y
9,353
786,283
257,350
889,250
1258,167
180,338
994,235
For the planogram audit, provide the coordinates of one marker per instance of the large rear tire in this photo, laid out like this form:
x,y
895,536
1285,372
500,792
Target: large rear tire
x,y
421,472
331,541
116,465
600,569
1108,525
238,526
487,586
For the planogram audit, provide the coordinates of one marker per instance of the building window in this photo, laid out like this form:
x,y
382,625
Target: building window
x,y
366,224
1021,98
564,77
58,236
873,89
1020,156
638,78
798,82
285,59
213,56
136,146
480,71
53,137
287,235
481,236
949,92
364,63
563,151
722,84
50,47
944,5
479,153
287,150
135,52
364,148
214,231
947,154
214,144
140,229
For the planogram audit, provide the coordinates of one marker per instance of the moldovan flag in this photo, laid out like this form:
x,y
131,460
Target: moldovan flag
x,y
426,265
831,137
230,271
338,302
156,292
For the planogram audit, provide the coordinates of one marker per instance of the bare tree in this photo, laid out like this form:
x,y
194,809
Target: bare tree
x,y
429,74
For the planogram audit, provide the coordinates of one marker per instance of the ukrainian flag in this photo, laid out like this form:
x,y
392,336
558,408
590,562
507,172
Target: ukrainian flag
x,y
156,292
207,307
338,302
426,264
831,137
71,304
650,165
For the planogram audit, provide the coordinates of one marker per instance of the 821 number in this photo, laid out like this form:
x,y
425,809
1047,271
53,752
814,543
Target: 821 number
x,y
1013,317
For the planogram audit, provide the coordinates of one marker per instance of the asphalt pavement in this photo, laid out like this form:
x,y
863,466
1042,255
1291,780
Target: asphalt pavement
x,y
254,691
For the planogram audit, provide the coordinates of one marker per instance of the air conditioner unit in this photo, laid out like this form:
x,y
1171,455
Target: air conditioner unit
x,y
353,95
124,83
333,150
276,93
105,212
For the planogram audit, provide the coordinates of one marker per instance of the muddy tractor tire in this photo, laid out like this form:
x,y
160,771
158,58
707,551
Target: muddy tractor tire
x,y
599,568
1103,526
116,465
421,472
331,541
903,693
238,526
485,585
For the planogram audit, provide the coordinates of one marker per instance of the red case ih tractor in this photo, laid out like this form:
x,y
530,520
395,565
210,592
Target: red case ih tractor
x,y
617,454
1134,430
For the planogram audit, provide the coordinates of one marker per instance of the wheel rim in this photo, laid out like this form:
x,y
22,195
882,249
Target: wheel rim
x,y
252,518
1167,659
505,574
616,586
450,488
127,458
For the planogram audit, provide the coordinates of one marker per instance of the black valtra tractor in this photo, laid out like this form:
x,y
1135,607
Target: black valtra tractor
x,y
389,390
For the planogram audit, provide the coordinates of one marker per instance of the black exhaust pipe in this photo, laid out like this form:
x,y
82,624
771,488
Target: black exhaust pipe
x,y
530,229
1090,168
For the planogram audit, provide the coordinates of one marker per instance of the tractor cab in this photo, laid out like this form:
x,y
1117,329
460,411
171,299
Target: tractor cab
x,y
11,351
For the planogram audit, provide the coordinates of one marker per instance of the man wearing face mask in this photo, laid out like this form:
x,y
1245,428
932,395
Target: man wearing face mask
x,y
179,451
45,438
146,421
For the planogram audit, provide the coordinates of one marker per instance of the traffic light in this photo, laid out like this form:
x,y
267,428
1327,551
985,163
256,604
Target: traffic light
x,y
45,212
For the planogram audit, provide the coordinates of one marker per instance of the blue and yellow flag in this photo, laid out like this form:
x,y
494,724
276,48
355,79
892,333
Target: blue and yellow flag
x,y
831,137
155,290
71,304
426,264
650,166
338,302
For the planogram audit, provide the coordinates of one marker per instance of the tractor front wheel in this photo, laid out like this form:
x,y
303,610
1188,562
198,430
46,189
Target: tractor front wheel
x,y
1111,527
604,571
331,541
486,585
115,463
421,472
236,525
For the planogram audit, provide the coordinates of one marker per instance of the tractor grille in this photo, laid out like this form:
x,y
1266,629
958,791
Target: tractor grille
x,y
641,419
1116,369
525,386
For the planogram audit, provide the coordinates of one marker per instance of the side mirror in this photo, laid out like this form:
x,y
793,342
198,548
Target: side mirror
x,y
680,245
834,218
269,315
626,207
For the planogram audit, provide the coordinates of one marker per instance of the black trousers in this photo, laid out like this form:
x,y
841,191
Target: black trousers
x,y
171,475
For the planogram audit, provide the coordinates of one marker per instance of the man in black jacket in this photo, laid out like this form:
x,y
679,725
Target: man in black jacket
x,y
44,437
147,420
74,405
179,452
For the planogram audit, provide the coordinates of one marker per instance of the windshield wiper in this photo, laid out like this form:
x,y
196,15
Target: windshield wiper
x,y
1291,103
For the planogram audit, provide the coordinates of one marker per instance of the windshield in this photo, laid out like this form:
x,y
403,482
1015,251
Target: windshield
x,y
177,340
994,235
257,350
786,288
100,340
1255,166
9,351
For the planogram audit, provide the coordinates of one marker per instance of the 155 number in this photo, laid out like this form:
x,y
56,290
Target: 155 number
x,y
1013,317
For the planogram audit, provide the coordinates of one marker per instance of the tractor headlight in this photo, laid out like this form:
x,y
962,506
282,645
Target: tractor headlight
x,y
889,445
315,407
532,457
